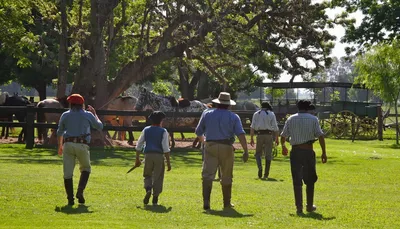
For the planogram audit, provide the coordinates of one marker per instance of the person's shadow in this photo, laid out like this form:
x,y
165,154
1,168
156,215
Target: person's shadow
x,y
227,212
156,208
313,215
68,209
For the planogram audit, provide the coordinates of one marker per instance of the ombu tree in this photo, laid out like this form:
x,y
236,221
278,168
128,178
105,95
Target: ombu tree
x,y
120,42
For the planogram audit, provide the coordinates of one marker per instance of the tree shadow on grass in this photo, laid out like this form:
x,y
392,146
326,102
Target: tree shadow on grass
x,y
228,212
156,208
313,215
271,179
68,209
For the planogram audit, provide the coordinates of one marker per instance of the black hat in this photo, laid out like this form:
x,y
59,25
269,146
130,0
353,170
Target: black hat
x,y
266,105
157,116
303,105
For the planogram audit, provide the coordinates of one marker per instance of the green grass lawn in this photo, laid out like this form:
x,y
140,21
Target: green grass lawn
x,y
357,188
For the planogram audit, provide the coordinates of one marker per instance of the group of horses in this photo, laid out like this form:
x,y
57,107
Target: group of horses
x,y
146,100
14,100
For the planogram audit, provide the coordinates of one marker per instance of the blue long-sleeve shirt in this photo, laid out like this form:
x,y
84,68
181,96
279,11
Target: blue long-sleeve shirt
x,y
75,123
219,124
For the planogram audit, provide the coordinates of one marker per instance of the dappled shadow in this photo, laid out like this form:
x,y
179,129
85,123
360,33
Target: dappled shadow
x,y
271,179
68,209
227,212
156,208
312,215
392,146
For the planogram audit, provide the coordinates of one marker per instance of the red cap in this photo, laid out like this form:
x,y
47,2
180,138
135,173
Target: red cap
x,y
76,99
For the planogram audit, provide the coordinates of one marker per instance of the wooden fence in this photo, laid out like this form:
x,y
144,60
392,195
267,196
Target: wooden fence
x,y
31,111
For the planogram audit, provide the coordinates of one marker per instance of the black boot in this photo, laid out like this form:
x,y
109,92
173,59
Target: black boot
x,y
259,165
310,198
298,198
267,167
155,200
147,196
207,187
82,185
69,189
227,193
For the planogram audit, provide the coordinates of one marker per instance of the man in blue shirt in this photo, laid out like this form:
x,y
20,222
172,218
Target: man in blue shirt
x,y
74,131
220,126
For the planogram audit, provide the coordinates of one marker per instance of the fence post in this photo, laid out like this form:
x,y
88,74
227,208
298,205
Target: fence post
x,y
29,126
380,123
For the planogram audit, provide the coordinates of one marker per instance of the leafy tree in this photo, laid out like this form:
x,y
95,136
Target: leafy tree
x,y
28,44
381,22
125,40
379,69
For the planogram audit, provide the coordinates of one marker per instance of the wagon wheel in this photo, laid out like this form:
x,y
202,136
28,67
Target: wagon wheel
x,y
344,124
326,125
368,128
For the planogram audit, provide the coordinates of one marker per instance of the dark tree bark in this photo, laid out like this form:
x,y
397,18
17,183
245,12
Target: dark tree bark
x,y
63,54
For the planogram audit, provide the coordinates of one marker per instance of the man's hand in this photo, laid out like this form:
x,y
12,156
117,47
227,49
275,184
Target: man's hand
x,y
324,158
276,141
168,166
245,156
138,162
91,110
252,142
60,151
284,150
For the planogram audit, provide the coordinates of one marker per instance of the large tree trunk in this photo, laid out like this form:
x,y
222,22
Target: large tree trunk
x,y
203,91
63,54
186,85
41,89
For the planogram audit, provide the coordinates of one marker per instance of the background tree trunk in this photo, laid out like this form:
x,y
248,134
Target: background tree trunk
x,y
63,54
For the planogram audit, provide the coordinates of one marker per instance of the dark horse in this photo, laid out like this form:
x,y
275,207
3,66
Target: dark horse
x,y
166,104
14,100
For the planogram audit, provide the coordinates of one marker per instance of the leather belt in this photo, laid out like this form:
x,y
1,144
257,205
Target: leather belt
x,y
258,132
303,146
223,141
76,140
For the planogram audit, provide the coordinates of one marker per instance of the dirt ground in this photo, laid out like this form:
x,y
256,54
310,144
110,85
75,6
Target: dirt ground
x,y
179,143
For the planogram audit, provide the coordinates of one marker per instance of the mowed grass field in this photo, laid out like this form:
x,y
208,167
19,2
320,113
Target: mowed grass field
x,y
357,188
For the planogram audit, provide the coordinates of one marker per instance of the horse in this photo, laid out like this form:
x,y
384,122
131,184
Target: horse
x,y
14,100
126,103
49,117
169,104
120,103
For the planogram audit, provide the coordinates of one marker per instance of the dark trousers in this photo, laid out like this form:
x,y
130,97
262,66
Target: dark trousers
x,y
302,164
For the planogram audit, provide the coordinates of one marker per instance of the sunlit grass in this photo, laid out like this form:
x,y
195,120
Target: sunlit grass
x,y
357,188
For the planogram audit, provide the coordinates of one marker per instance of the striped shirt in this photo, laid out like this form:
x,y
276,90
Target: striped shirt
x,y
264,120
301,128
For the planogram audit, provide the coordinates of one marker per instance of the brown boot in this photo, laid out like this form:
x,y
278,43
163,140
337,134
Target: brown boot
x,y
227,193
298,198
81,186
69,189
310,198
207,187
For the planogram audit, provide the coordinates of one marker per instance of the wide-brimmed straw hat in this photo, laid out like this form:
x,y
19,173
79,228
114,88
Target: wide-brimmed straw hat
x,y
224,98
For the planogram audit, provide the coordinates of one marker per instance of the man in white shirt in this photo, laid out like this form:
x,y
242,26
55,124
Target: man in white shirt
x,y
264,124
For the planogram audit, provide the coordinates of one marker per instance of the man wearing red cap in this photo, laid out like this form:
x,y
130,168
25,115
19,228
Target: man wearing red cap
x,y
74,131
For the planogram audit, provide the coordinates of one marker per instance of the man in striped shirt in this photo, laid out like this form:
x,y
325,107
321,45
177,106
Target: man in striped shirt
x,y
303,128
265,126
